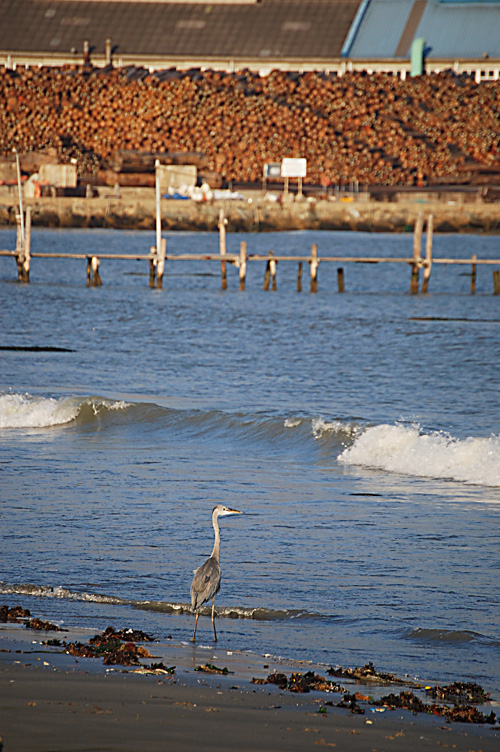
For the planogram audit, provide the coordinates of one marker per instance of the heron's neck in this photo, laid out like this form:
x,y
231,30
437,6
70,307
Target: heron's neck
x,y
216,551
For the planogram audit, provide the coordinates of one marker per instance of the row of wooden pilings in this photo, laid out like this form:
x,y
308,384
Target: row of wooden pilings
x,y
158,258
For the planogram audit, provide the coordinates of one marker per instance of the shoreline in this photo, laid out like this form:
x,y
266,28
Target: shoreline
x,y
52,700
136,211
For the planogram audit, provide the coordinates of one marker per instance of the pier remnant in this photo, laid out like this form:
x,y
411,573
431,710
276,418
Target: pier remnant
x,y
313,267
299,277
242,264
222,247
340,279
428,253
473,275
93,276
417,253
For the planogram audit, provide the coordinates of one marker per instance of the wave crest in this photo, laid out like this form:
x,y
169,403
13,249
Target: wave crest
x,y
258,613
406,449
27,411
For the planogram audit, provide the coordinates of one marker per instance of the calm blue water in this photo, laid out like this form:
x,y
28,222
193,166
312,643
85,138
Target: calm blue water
x,y
359,434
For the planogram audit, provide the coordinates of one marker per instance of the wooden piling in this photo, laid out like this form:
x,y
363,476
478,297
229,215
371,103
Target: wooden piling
x,y
152,266
417,253
222,247
272,272
428,254
243,264
27,246
158,206
160,266
340,279
93,276
313,267
473,275
19,252
266,275
299,277
496,282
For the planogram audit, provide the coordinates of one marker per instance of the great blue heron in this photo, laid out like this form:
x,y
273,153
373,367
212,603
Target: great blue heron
x,y
206,580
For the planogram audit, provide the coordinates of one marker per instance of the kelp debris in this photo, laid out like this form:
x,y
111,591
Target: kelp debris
x,y
351,703
43,626
301,683
19,614
14,614
459,692
110,646
129,635
209,668
366,673
461,713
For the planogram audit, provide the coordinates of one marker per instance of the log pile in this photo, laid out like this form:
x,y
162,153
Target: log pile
x,y
375,129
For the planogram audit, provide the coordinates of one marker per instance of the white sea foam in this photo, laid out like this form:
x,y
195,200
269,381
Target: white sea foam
x,y
26,411
406,449
320,427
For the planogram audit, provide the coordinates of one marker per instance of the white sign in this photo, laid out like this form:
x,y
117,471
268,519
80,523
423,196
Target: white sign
x,y
272,170
293,168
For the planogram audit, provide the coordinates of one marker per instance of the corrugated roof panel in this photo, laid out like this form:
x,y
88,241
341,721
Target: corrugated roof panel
x,y
465,31
381,29
451,30
282,28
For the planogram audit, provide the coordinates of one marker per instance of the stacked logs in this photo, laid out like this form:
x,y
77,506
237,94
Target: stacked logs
x,y
374,129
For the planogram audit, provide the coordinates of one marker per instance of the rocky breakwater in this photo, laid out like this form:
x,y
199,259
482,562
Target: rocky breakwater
x,y
255,215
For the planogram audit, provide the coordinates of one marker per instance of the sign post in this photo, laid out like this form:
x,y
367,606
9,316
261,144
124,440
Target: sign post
x,y
293,168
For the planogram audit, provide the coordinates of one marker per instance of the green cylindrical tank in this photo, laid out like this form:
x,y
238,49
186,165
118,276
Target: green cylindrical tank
x,y
417,56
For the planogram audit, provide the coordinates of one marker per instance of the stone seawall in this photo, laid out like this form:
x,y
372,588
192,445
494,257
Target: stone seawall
x,y
255,216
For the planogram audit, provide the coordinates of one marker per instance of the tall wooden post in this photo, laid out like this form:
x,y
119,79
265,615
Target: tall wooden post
x,y
340,279
299,277
473,275
243,264
313,267
158,206
27,246
428,254
19,247
417,253
222,247
160,268
20,192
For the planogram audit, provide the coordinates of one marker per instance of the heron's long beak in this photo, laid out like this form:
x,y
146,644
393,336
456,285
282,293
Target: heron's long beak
x,y
233,511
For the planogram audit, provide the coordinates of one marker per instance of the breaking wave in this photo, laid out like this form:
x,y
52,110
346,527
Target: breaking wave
x,y
27,411
408,450
166,607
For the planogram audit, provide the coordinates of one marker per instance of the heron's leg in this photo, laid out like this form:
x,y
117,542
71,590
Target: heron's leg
x,y
195,625
213,618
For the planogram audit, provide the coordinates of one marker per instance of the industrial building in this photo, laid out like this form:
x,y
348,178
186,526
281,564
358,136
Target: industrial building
x,y
402,37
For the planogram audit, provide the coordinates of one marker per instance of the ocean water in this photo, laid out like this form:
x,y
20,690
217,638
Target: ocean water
x,y
358,433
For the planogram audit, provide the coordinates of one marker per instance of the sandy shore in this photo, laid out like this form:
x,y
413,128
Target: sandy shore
x,y
53,701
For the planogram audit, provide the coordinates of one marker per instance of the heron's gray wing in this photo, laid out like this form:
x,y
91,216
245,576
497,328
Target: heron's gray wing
x,y
206,582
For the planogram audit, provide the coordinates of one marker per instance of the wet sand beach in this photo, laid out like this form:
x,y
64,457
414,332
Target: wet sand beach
x,y
53,701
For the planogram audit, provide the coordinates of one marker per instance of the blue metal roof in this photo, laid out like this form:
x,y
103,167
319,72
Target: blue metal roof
x,y
451,30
